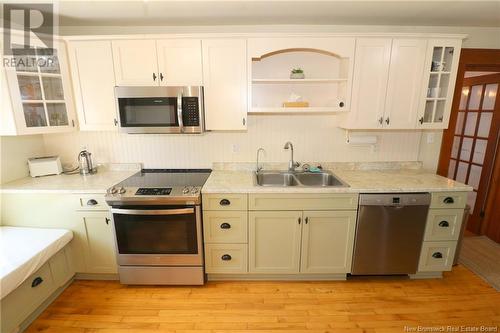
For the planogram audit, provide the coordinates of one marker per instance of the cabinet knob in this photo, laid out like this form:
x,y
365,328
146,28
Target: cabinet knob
x,y
306,220
380,120
107,219
225,202
437,255
448,200
116,122
300,220
341,104
92,202
226,257
421,120
244,121
36,281
444,224
225,226
161,76
387,121
154,76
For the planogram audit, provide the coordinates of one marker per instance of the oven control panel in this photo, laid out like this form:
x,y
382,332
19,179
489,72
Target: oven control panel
x,y
191,190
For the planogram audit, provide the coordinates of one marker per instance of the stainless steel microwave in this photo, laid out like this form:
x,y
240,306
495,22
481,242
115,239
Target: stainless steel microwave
x,y
160,109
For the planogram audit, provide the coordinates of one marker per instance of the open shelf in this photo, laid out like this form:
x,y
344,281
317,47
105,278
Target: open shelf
x,y
296,81
304,110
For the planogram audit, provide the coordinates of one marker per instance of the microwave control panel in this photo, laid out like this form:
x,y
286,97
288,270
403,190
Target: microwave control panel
x,y
190,111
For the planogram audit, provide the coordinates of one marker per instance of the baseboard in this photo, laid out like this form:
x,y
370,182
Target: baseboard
x,y
426,275
276,277
94,276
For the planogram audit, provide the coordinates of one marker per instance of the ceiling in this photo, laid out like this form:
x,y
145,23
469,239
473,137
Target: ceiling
x,y
241,12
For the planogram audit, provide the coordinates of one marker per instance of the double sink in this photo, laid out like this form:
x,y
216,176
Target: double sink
x,y
298,179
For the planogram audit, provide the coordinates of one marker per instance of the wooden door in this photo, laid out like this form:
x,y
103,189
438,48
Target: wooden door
x,y
475,142
404,84
225,83
179,62
93,79
327,241
371,72
274,241
100,250
135,62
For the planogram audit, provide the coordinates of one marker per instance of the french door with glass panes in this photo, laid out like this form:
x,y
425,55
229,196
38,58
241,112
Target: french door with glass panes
x,y
40,90
475,140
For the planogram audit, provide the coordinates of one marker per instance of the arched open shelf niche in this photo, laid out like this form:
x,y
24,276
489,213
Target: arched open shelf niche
x,y
324,87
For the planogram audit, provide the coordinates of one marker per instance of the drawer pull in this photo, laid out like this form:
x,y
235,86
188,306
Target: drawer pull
x,y
38,280
92,202
225,202
448,200
444,224
225,226
226,257
437,255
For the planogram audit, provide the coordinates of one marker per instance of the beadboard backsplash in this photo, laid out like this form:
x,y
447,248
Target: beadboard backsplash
x,y
315,138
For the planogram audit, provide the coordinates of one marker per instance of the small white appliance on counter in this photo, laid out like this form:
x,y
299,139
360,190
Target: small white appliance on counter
x,y
45,166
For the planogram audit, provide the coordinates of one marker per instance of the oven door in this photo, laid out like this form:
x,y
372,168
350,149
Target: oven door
x,y
158,235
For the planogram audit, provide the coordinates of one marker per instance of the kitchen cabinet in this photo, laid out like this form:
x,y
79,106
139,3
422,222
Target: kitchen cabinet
x,y
150,62
39,91
387,80
274,241
100,250
93,77
440,74
225,83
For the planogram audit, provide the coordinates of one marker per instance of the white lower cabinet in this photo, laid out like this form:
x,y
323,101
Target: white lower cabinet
x,y
226,258
319,242
437,256
99,253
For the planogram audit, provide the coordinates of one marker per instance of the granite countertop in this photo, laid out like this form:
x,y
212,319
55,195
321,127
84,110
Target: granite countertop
x,y
360,181
105,177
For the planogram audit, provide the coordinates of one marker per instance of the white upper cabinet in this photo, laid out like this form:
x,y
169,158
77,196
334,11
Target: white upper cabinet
x,y
440,74
371,72
387,79
225,83
39,92
135,62
93,79
404,84
179,62
324,85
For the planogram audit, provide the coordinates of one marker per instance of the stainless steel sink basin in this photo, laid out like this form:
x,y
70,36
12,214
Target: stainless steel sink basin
x,y
299,179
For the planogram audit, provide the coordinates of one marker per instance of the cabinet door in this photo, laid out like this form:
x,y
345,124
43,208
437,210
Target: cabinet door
x,y
225,82
135,62
274,241
100,250
40,89
93,83
436,96
371,70
405,80
327,241
179,62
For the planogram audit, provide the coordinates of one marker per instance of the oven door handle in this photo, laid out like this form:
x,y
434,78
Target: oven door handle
x,y
181,211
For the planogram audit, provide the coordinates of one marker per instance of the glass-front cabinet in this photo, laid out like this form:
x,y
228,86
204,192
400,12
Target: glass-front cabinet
x,y
440,74
40,90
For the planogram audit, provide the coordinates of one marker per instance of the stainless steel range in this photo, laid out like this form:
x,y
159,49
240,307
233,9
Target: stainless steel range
x,y
157,226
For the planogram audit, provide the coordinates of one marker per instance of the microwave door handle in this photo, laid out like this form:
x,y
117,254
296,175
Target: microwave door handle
x,y
182,211
179,111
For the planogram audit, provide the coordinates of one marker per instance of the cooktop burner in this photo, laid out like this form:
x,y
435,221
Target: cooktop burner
x,y
154,191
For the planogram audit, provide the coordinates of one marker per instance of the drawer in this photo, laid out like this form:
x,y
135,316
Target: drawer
x,y
437,256
303,201
448,199
91,202
21,302
224,201
225,227
226,258
443,224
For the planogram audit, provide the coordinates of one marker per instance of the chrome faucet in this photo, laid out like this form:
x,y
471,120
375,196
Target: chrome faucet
x,y
257,167
291,164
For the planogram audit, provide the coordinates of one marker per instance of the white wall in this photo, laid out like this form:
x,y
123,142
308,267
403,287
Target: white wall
x,y
14,154
315,138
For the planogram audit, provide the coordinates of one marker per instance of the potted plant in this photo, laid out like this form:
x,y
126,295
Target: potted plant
x,y
297,73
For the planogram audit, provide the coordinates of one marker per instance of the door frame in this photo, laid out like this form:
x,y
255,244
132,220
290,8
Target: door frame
x,y
470,60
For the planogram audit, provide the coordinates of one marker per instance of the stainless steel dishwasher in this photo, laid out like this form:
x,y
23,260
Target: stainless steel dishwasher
x,y
389,233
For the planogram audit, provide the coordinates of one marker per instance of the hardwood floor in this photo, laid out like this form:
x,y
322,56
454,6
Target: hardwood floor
x,y
360,305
